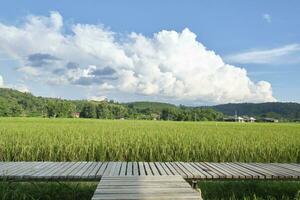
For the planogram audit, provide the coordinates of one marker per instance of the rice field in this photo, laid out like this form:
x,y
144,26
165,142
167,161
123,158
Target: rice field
x,y
37,139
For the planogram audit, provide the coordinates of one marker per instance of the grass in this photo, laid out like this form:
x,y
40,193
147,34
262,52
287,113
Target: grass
x,y
36,139
47,191
271,190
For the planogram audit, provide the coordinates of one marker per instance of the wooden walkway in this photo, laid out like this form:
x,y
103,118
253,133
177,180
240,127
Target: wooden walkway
x,y
144,187
93,171
145,180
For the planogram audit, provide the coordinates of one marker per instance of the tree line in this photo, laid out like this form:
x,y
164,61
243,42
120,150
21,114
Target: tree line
x,y
14,103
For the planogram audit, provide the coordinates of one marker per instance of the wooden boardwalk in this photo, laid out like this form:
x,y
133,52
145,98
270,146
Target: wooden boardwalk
x,y
145,180
144,187
93,171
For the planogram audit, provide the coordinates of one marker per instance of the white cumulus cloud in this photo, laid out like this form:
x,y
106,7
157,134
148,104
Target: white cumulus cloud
x,y
19,87
169,64
1,81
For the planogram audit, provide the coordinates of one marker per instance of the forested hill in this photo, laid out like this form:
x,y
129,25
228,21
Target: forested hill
x,y
157,106
15,103
275,109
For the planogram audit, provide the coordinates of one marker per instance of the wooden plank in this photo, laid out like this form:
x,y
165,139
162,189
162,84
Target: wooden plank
x,y
148,169
187,171
216,170
110,167
117,170
179,170
135,169
78,173
228,175
252,174
28,169
196,173
37,168
6,166
141,178
73,173
211,171
172,169
20,170
64,172
90,173
288,166
142,196
49,168
15,167
266,174
215,173
160,169
102,169
154,169
295,173
129,171
204,172
277,174
143,190
60,170
236,174
123,169
166,168
142,169
144,187
282,173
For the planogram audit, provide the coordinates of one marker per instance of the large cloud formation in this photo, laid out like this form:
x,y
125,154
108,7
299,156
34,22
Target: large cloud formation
x,y
170,64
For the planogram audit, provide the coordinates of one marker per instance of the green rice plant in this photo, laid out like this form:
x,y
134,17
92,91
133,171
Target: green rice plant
x,y
38,139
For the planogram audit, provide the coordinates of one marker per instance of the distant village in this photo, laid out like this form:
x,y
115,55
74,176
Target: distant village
x,y
248,119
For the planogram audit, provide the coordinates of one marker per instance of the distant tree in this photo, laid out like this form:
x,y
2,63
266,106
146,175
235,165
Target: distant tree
x,y
103,111
51,109
88,111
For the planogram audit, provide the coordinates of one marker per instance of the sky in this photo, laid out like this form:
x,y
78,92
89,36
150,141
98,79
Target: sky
x,y
182,52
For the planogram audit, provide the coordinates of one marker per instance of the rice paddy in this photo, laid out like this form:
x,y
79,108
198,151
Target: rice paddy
x,y
37,139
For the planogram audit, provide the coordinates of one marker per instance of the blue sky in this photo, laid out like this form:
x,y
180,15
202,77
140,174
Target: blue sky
x,y
138,50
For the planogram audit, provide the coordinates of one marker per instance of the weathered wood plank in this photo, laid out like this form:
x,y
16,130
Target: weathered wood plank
x,y
154,169
171,168
160,169
129,171
148,169
142,169
144,187
215,173
135,169
123,169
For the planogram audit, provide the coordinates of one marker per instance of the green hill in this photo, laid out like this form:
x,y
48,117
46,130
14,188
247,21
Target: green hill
x,y
290,111
156,106
15,103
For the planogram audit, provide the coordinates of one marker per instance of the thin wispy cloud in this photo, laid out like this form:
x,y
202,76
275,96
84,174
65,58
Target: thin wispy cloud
x,y
267,17
285,54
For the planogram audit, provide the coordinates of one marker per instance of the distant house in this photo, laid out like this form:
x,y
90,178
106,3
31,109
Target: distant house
x,y
76,114
249,119
270,120
233,119
240,119
229,119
